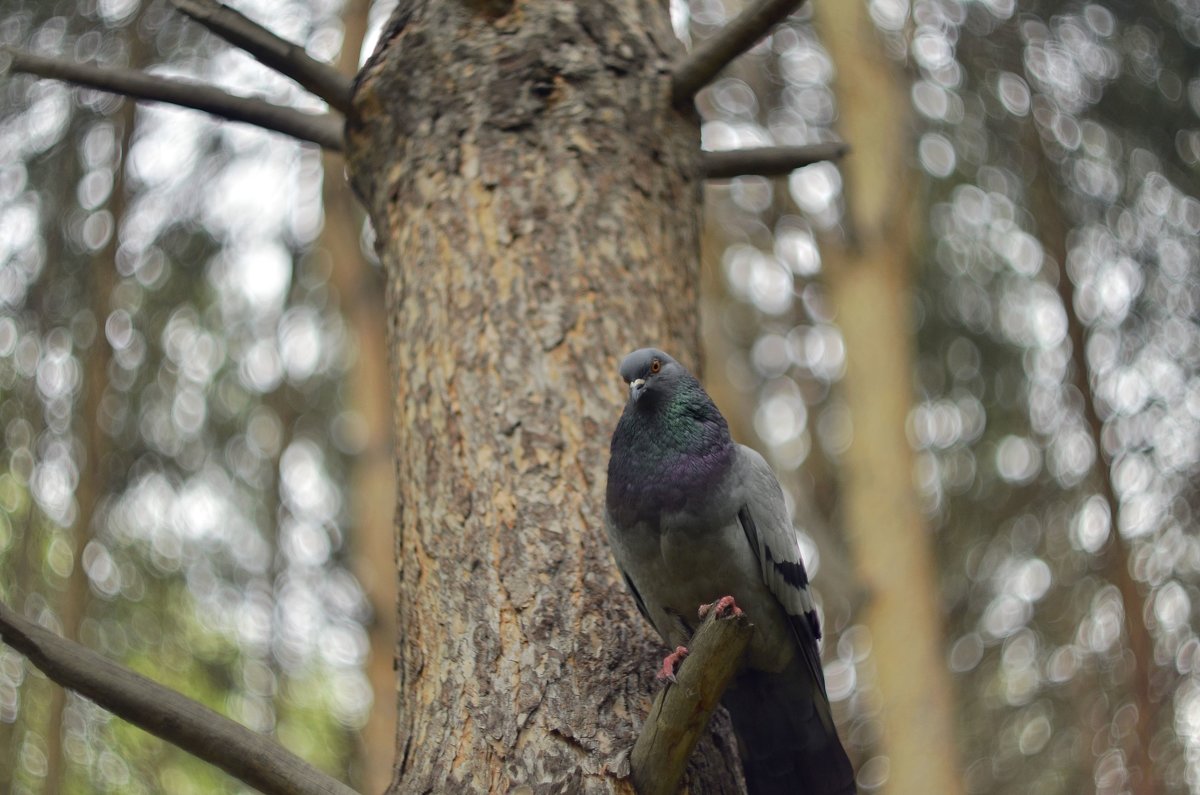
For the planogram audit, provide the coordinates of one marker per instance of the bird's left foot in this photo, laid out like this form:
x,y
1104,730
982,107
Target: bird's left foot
x,y
724,607
671,663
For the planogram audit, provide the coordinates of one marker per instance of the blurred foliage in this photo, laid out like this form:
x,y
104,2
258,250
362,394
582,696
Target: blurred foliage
x,y
1052,137
215,550
1049,136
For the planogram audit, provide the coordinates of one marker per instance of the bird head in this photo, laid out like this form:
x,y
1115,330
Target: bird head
x,y
649,371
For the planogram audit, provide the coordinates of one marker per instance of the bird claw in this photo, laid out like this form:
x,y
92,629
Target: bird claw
x,y
724,607
670,663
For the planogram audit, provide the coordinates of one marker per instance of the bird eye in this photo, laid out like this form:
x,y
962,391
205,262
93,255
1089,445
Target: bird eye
x,y
655,366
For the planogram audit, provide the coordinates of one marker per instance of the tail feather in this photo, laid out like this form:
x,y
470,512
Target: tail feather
x,y
786,736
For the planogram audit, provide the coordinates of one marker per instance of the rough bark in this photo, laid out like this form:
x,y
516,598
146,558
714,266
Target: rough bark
x,y
868,274
535,198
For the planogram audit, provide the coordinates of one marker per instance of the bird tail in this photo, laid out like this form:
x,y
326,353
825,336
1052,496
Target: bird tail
x,y
786,736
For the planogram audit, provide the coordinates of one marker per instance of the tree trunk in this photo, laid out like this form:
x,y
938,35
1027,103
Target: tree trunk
x,y
536,203
1117,556
868,274
95,472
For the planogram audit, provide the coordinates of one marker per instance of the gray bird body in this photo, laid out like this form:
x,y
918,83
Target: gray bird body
x,y
697,555
691,517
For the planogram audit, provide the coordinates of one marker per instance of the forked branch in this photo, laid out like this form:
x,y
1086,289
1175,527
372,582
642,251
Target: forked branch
x,y
244,754
768,161
681,711
713,54
289,59
325,129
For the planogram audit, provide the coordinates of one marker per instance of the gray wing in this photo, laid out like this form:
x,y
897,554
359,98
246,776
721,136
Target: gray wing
x,y
764,519
783,721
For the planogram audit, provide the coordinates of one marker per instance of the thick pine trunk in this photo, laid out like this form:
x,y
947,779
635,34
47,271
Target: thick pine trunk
x,y
536,203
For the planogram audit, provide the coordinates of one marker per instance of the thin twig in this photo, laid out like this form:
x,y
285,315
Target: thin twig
x,y
713,54
681,711
325,129
277,53
244,754
768,161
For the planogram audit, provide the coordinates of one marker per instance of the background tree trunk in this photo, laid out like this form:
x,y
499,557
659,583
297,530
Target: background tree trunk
x,y
536,200
95,473
868,274
372,476
1116,556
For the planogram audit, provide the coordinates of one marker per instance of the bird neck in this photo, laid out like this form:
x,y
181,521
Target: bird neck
x,y
690,424
683,422
667,454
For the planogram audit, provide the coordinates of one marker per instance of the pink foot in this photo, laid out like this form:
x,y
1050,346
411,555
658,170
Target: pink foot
x,y
724,607
671,663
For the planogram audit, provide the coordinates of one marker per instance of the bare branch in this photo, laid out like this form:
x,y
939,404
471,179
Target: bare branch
x,y
244,754
768,161
325,130
277,53
681,711
713,54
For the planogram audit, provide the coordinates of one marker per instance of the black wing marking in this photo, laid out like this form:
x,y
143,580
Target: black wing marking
x,y
747,522
793,573
637,598
805,628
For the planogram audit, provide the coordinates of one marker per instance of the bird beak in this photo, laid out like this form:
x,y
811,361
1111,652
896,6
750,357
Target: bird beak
x,y
636,388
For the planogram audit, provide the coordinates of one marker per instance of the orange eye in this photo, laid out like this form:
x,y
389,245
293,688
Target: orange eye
x,y
655,366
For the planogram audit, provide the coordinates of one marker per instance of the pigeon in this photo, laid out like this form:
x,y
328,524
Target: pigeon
x,y
692,518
